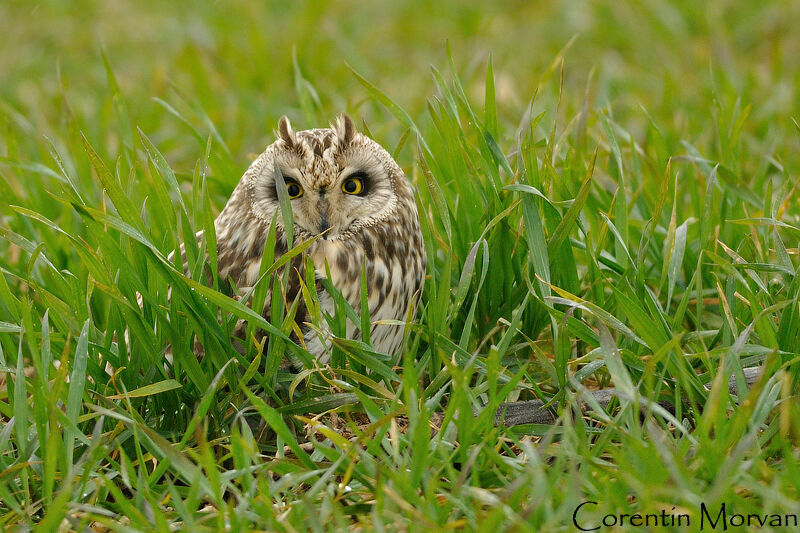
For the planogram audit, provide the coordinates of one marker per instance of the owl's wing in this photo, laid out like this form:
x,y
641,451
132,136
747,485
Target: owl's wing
x,y
233,281
291,290
238,275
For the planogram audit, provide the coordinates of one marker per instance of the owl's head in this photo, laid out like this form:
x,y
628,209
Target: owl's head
x,y
338,180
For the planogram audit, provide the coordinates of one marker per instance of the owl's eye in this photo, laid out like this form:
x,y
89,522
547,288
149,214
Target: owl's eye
x,y
294,189
353,185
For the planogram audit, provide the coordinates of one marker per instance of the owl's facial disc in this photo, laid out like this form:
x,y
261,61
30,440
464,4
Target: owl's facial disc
x,y
329,208
340,201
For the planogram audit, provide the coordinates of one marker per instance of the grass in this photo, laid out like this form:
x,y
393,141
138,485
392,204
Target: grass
x,y
614,209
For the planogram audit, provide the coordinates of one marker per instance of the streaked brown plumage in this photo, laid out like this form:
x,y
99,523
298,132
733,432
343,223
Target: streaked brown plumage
x,y
352,191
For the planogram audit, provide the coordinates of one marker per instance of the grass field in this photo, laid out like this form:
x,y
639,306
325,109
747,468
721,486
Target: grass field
x,y
609,198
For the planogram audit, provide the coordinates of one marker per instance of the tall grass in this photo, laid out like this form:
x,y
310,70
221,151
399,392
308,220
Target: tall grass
x,y
576,240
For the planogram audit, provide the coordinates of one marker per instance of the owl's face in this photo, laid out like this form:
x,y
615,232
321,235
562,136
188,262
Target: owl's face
x,y
338,180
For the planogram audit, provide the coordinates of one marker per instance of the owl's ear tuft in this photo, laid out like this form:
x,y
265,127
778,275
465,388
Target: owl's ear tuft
x,y
286,133
344,128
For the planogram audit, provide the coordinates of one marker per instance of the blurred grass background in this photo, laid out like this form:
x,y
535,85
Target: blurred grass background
x,y
235,59
663,91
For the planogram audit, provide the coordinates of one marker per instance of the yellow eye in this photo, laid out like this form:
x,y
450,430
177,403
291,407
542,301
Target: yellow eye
x,y
294,189
353,186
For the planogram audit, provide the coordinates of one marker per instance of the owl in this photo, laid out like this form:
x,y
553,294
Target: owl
x,y
345,188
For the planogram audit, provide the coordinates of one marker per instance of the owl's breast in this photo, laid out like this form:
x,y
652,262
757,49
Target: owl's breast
x,y
342,261
394,271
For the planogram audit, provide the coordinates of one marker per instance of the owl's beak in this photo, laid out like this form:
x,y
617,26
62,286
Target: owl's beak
x,y
324,225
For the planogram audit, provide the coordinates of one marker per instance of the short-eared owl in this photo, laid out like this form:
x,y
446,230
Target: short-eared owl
x,y
345,186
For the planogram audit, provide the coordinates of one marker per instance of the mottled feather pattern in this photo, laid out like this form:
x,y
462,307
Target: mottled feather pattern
x,y
379,228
